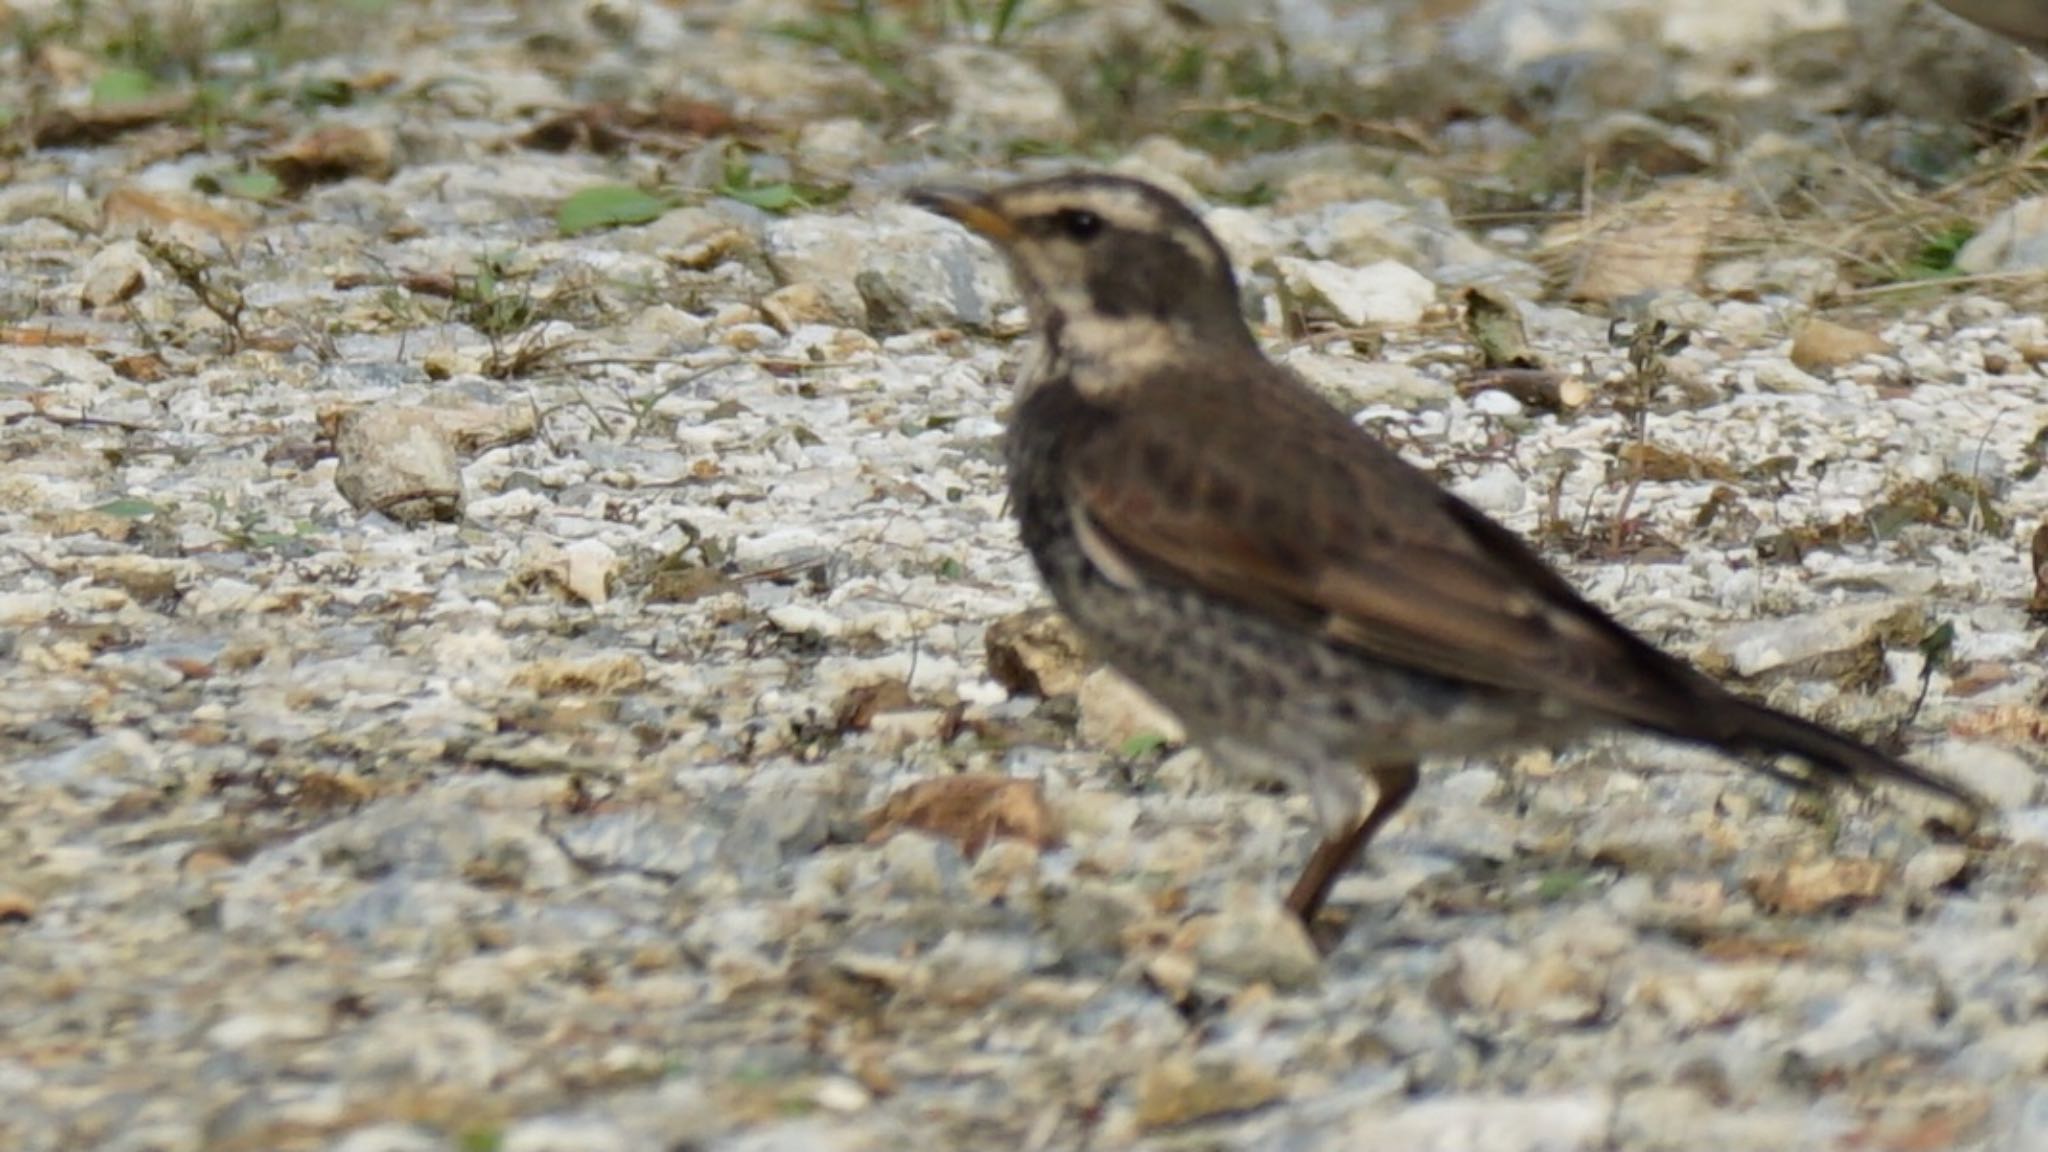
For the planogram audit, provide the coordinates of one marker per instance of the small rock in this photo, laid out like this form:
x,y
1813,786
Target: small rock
x,y
2015,240
2029,1124
590,567
922,866
1866,1023
584,569
919,270
794,305
2000,775
2028,826
693,238
391,1138
775,826
1807,279
1181,1089
1384,294
1354,383
1494,402
1090,919
969,970
830,1134
738,945
1497,490
994,97
1114,711
672,847
1160,155
1005,870
566,1134
116,273
1037,652
1245,235
840,1094
1784,378
838,148
1467,1123
1934,866
1485,976
1807,645
1252,940
1823,344
1810,886
432,1047
398,461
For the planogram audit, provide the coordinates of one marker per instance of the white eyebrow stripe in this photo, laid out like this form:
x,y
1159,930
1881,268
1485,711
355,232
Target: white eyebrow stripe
x,y
1120,208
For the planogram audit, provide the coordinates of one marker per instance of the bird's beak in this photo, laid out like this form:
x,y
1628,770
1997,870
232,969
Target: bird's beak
x,y
974,209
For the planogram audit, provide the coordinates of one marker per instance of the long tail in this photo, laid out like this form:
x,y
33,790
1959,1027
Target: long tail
x,y
1739,725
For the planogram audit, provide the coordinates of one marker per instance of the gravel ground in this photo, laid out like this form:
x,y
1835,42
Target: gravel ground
x,y
454,676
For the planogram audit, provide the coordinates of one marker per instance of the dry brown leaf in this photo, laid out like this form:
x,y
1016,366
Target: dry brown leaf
x,y
143,367
859,707
614,126
99,123
332,154
43,338
128,208
970,810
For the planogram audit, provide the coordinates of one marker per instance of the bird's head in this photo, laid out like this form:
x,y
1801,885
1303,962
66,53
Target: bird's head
x,y
1103,260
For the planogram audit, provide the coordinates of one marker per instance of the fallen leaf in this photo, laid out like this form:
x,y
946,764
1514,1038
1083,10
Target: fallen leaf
x,y
858,708
970,809
1494,326
128,208
331,154
608,206
99,123
143,367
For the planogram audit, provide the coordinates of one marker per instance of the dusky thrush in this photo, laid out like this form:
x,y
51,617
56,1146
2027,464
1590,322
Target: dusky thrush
x,y
1311,607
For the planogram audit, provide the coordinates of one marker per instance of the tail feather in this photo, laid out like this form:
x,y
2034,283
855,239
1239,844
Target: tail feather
x,y
1739,725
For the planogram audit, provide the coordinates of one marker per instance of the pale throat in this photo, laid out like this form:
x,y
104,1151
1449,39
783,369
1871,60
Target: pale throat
x,y
1102,355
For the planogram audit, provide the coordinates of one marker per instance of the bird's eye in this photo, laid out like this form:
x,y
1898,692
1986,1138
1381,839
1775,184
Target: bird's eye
x,y
1078,223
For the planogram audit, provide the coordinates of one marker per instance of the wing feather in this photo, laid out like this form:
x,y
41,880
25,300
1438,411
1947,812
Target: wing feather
x,y
1346,540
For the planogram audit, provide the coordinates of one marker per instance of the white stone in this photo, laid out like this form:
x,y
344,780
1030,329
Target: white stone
x,y
1387,293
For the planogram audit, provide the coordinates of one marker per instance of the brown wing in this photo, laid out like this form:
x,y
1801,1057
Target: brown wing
x,y
1254,491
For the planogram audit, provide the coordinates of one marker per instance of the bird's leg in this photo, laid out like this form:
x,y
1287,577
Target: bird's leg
x,y
1394,783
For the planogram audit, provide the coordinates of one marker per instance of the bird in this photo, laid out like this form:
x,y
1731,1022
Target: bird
x,y
2025,22
1316,611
